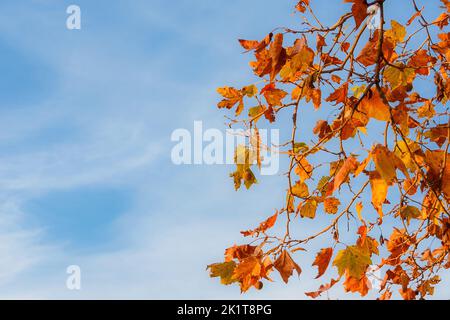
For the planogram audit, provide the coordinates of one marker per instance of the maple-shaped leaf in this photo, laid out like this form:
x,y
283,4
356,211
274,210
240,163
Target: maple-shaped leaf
x,y
399,75
397,32
353,260
340,95
438,170
248,273
256,45
421,62
386,163
359,11
232,97
322,260
442,21
241,252
273,95
223,270
286,266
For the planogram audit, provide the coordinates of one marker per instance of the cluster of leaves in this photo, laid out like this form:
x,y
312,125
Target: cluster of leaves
x,y
372,80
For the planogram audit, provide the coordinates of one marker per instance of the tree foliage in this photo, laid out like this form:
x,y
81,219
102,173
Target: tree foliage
x,y
379,164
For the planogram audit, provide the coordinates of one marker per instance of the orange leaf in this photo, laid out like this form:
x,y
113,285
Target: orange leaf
x,y
359,11
263,227
379,191
349,166
323,260
322,289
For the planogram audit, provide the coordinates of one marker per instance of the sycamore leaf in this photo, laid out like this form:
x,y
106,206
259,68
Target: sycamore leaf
x,y
304,169
263,227
397,32
232,97
349,165
353,260
331,205
273,95
374,106
359,208
399,75
409,212
379,191
278,55
361,285
386,163
323,288
308,209
323,260
300,190
286,266
223,270
359,11
301,5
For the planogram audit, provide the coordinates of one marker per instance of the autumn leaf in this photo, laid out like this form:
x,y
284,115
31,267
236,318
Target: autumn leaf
x,y
352,261
361,285
359,11
359,208
397,32
322,289
300,190
374,106
350,165
308,209
232,97
409,212
304,169
322,260
340,95
263,227
399,75
273,95
286,266
301,5
379,188
223,270
331,205
278,55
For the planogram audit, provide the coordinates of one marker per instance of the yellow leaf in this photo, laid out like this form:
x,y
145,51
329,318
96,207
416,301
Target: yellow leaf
x,y
397,32
399,75
359,208
224,271
308,209
353,261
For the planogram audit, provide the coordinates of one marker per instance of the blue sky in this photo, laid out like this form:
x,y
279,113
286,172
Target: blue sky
x,y
85,171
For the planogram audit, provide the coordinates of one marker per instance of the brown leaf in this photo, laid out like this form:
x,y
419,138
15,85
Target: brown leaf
x,y
286,266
